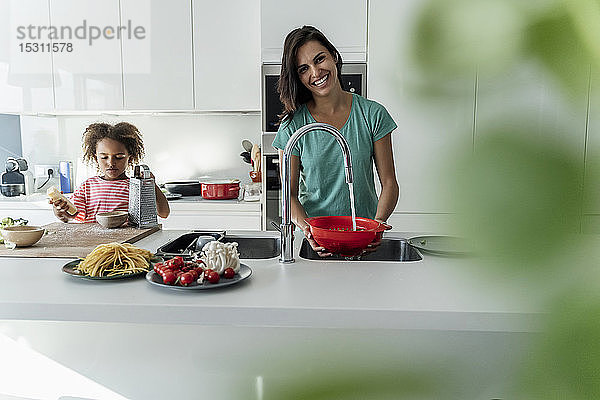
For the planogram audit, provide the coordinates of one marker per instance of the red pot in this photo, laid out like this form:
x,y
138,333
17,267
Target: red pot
x,y
335,233
220,190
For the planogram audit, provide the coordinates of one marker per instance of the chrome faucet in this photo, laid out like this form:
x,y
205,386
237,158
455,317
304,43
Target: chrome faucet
x,y
287,228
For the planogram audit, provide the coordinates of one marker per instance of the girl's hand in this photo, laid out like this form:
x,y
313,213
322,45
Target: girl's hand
x,y
315,246
60,208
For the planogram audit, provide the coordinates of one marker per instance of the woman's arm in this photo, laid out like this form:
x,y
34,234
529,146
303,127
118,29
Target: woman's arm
x,y
298,213
384,162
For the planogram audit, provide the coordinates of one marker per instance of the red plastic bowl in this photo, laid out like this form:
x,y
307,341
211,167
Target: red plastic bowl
x,y
335,233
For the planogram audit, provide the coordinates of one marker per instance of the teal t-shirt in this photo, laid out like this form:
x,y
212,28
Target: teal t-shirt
x,y
322,188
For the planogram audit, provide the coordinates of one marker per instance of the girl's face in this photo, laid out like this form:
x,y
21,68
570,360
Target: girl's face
x,y
316,68
113,158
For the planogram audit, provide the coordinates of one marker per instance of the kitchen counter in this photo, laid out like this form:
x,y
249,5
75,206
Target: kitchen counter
x,y
284,326
435,293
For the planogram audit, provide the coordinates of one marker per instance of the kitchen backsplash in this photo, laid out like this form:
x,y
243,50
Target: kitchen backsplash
x,y
177,146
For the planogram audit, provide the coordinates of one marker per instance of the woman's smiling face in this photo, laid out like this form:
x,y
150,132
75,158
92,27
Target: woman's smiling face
x,y
316,68
113,158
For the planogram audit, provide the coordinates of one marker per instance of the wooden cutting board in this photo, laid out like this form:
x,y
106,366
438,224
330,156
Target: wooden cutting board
x,y
76,240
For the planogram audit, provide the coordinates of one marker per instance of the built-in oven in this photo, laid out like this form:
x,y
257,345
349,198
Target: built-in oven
x,y
354,80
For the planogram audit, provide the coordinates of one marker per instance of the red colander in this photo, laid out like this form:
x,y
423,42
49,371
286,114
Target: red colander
x,y
335,233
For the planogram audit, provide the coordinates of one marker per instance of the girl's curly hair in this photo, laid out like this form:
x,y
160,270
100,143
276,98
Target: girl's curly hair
x,y
123,132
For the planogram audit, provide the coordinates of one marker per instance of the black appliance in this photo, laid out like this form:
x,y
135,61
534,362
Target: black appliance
x,y
12,181
354,80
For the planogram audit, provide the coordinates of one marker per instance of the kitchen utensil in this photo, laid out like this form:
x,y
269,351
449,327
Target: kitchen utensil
x,y
112,219
22,236
69,268
173,196
198,243
246,156
255,156
256,176
142,198
335,233
184,188
220,189
441,245
247,145
244,273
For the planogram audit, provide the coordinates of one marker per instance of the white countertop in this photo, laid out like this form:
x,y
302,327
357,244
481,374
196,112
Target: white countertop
x,y
437,293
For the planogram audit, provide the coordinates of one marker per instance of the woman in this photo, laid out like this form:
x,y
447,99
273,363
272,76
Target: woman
x,y
311,91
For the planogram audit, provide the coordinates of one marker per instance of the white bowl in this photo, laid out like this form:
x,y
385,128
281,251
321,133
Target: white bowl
x,y
22,236
112,219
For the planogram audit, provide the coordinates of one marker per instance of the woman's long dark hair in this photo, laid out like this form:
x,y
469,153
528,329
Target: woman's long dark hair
x,y
292,92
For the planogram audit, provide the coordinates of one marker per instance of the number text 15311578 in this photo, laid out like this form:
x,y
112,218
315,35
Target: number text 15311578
x,y
46,47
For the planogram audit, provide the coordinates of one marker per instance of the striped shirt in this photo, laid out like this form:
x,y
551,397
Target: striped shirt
x,y
97,195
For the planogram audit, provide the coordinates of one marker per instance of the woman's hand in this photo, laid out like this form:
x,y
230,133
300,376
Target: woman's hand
x,y
60,208
315,246
371,247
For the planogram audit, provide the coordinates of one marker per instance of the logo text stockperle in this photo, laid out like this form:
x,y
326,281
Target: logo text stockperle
x,y
83,31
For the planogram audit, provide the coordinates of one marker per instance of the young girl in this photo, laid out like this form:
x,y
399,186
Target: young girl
x,y
113,149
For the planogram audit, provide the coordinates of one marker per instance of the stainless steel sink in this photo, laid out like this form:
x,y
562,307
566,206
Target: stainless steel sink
x,y
395,250
255,247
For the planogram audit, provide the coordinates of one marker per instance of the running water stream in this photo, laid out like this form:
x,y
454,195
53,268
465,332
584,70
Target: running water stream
x,y
351,188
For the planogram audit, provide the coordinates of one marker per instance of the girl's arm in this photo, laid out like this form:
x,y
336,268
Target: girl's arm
x,y
162,205
297,211
384,162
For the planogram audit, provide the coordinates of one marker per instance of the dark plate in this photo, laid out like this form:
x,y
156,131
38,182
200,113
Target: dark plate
x,y
69,268
244,273
441,245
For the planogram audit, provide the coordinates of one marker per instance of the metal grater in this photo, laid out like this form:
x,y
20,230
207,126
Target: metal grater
x,y
142,198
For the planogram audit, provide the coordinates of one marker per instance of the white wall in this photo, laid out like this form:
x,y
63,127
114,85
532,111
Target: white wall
x,y
177,146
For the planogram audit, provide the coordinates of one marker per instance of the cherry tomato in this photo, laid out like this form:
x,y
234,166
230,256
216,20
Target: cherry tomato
x,y
228,273
169,278
207,271
157,267
194,273
186,279
213,277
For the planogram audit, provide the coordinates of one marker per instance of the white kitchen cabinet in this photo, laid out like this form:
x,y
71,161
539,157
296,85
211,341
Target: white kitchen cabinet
x,y
157,71
90,76
213,215
344,23
426,131
226,55
25,76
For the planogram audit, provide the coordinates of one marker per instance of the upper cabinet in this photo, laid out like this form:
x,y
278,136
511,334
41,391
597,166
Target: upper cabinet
x,y
157,65
25,60
227,54
88,76
344,23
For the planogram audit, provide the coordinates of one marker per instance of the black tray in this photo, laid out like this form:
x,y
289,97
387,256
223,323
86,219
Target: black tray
x,y
185,244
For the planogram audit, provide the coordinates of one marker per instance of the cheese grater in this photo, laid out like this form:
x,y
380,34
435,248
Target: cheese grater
x,y
142,198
